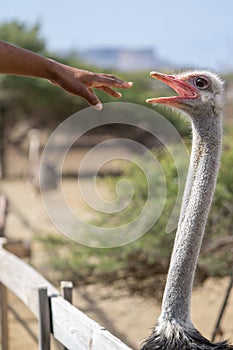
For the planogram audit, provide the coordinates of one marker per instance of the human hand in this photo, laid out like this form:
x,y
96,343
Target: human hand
x,y
81,82
18,61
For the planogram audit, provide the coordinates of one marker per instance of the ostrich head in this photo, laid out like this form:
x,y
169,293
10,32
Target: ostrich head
x,y
199,92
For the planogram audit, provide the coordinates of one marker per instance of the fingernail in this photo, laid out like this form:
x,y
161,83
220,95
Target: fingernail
x,y
98,106
130,83
150,101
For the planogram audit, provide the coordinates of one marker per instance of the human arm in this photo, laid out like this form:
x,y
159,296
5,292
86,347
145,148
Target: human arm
x,y
18,61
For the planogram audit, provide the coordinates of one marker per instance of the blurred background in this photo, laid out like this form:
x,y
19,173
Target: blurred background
x,y
129,40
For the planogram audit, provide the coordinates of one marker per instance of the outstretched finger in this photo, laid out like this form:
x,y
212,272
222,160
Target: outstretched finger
x,y
112,81
91,98
115,80
110,91
99,80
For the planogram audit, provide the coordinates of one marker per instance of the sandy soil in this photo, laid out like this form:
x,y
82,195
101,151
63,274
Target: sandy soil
x,y
128,317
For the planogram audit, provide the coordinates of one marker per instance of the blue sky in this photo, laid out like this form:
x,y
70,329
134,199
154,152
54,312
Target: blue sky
x,y
197,33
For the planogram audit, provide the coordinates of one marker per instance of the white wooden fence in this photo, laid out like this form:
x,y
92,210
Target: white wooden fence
x,y
56,316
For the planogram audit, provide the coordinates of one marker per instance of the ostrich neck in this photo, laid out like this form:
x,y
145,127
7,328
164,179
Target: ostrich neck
x,y
203,170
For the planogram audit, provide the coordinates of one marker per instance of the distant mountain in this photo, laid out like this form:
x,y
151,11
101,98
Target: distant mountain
x,y
123,59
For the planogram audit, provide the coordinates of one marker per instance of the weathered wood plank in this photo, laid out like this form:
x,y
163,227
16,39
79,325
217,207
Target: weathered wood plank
x,y
67,293
23,280
71,327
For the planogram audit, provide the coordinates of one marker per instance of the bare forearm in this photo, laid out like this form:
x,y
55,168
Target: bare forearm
x,y
18,61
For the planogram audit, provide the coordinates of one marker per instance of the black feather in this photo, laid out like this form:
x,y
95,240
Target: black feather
x,y
182,339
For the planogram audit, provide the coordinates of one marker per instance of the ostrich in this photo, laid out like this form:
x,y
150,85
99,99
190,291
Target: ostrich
x,y
200,96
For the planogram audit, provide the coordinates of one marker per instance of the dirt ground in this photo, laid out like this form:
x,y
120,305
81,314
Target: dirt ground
x,y
129,317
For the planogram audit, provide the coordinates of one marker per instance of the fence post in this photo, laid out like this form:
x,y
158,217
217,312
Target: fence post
x,y
3,308
2,142
223,307
3,214
3,317
67,290
44,319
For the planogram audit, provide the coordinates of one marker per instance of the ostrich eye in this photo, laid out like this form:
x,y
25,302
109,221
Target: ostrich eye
x,y
201,83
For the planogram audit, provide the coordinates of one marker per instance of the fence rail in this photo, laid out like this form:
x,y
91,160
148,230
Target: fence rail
x,y
56,316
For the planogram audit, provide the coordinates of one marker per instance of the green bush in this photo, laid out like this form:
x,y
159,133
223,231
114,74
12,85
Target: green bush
x,y
147,259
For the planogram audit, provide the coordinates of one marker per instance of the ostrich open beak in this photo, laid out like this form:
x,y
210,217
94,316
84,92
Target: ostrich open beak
x,y
184,90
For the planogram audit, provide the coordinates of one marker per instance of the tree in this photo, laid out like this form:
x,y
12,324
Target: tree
x,y
35,100
20,34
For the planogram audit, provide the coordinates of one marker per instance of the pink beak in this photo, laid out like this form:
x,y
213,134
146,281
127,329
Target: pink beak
x,y
184,90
